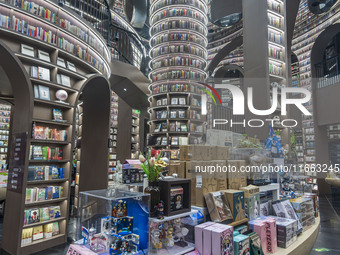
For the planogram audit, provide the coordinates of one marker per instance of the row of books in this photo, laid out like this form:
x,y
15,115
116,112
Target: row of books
x,y
170,87
179,49
36,215
178,24
276,70
179,61
275,37
43,193
173,12
39,232
46,133
54,18
274,6
22,26
173,114
224,42
174,101
162,38
174,140
275,53
180,74
195,3
275,22
40,173
193,114
173,127
45,153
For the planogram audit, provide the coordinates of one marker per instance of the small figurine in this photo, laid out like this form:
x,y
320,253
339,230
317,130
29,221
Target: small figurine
x,y
179,202
160,210
179,233
120,211
169,239
155,239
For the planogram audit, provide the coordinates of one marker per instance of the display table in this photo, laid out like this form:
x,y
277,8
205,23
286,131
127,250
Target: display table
x,y
333,181
304,243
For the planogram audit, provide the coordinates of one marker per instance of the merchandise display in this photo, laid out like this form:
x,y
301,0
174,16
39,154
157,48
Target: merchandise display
x,y
162,127
113,221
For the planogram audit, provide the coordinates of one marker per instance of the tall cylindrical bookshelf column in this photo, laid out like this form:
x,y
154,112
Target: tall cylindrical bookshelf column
x,y
178,52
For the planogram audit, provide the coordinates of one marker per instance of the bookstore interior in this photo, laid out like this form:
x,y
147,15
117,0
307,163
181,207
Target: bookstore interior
x,y
142,127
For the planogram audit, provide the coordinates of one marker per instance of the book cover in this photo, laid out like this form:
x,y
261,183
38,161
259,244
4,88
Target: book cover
x,y
38,233
55,192
44,92
48,229
34,216
48,193
44,214
41,194
55,228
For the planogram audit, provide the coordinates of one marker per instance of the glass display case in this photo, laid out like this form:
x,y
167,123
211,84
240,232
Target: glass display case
x,y
113,221
174,234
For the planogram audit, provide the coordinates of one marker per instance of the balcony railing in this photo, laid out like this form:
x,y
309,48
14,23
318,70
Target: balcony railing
x,y
328,72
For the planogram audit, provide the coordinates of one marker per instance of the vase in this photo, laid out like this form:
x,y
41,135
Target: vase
x,y
155,197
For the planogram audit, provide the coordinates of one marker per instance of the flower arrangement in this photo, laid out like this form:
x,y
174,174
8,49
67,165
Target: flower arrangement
x,y
152,166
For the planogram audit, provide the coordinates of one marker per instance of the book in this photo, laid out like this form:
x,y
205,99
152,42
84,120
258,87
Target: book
x,y
184,128
174,100
61,62
41,194
172,127
44,213
158,128
48,193
57,115
34,216
182,101
164,141
164,127
48,230
181,114
43,73
174,140
173,114
55,228
71,66
164,101
54,212
27,50
159,102
36,91
44,92
55,192
178,126
38,233
34,71
44,55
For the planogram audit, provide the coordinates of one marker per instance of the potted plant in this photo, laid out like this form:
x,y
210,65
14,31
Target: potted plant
x,y
152,167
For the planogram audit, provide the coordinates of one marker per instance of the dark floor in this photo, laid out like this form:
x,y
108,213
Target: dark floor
x,y
327,243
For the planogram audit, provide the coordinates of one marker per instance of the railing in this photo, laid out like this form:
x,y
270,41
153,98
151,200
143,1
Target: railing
x,y
96,12
328,72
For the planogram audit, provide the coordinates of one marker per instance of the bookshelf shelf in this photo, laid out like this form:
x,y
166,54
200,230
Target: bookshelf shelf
x,y
50,142
47,102
53,85
37,61
44,202
51,122
57,239
49,161
47,181
44,222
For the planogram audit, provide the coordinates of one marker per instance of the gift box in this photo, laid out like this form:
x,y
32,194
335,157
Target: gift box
x,y
222,241
207,237
199,235
271,235
218,207
252,206
241,245
254,243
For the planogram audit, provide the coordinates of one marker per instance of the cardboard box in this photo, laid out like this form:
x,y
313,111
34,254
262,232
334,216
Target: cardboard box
x,y
219,153
178,167
250,190
271,235
218,207
199,235
236,179
235,200
203,182
194,152
255,244
260,228
241,245
207,238
222,241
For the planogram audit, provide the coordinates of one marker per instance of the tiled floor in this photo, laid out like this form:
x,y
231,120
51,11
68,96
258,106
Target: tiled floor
x,y
327,243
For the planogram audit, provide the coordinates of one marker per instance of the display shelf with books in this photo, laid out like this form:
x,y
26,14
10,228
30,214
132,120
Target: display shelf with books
x,y
113,132
5,119
46,21
305,34
135,141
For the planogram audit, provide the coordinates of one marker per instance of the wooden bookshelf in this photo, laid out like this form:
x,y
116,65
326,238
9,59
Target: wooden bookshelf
x,y
33,108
